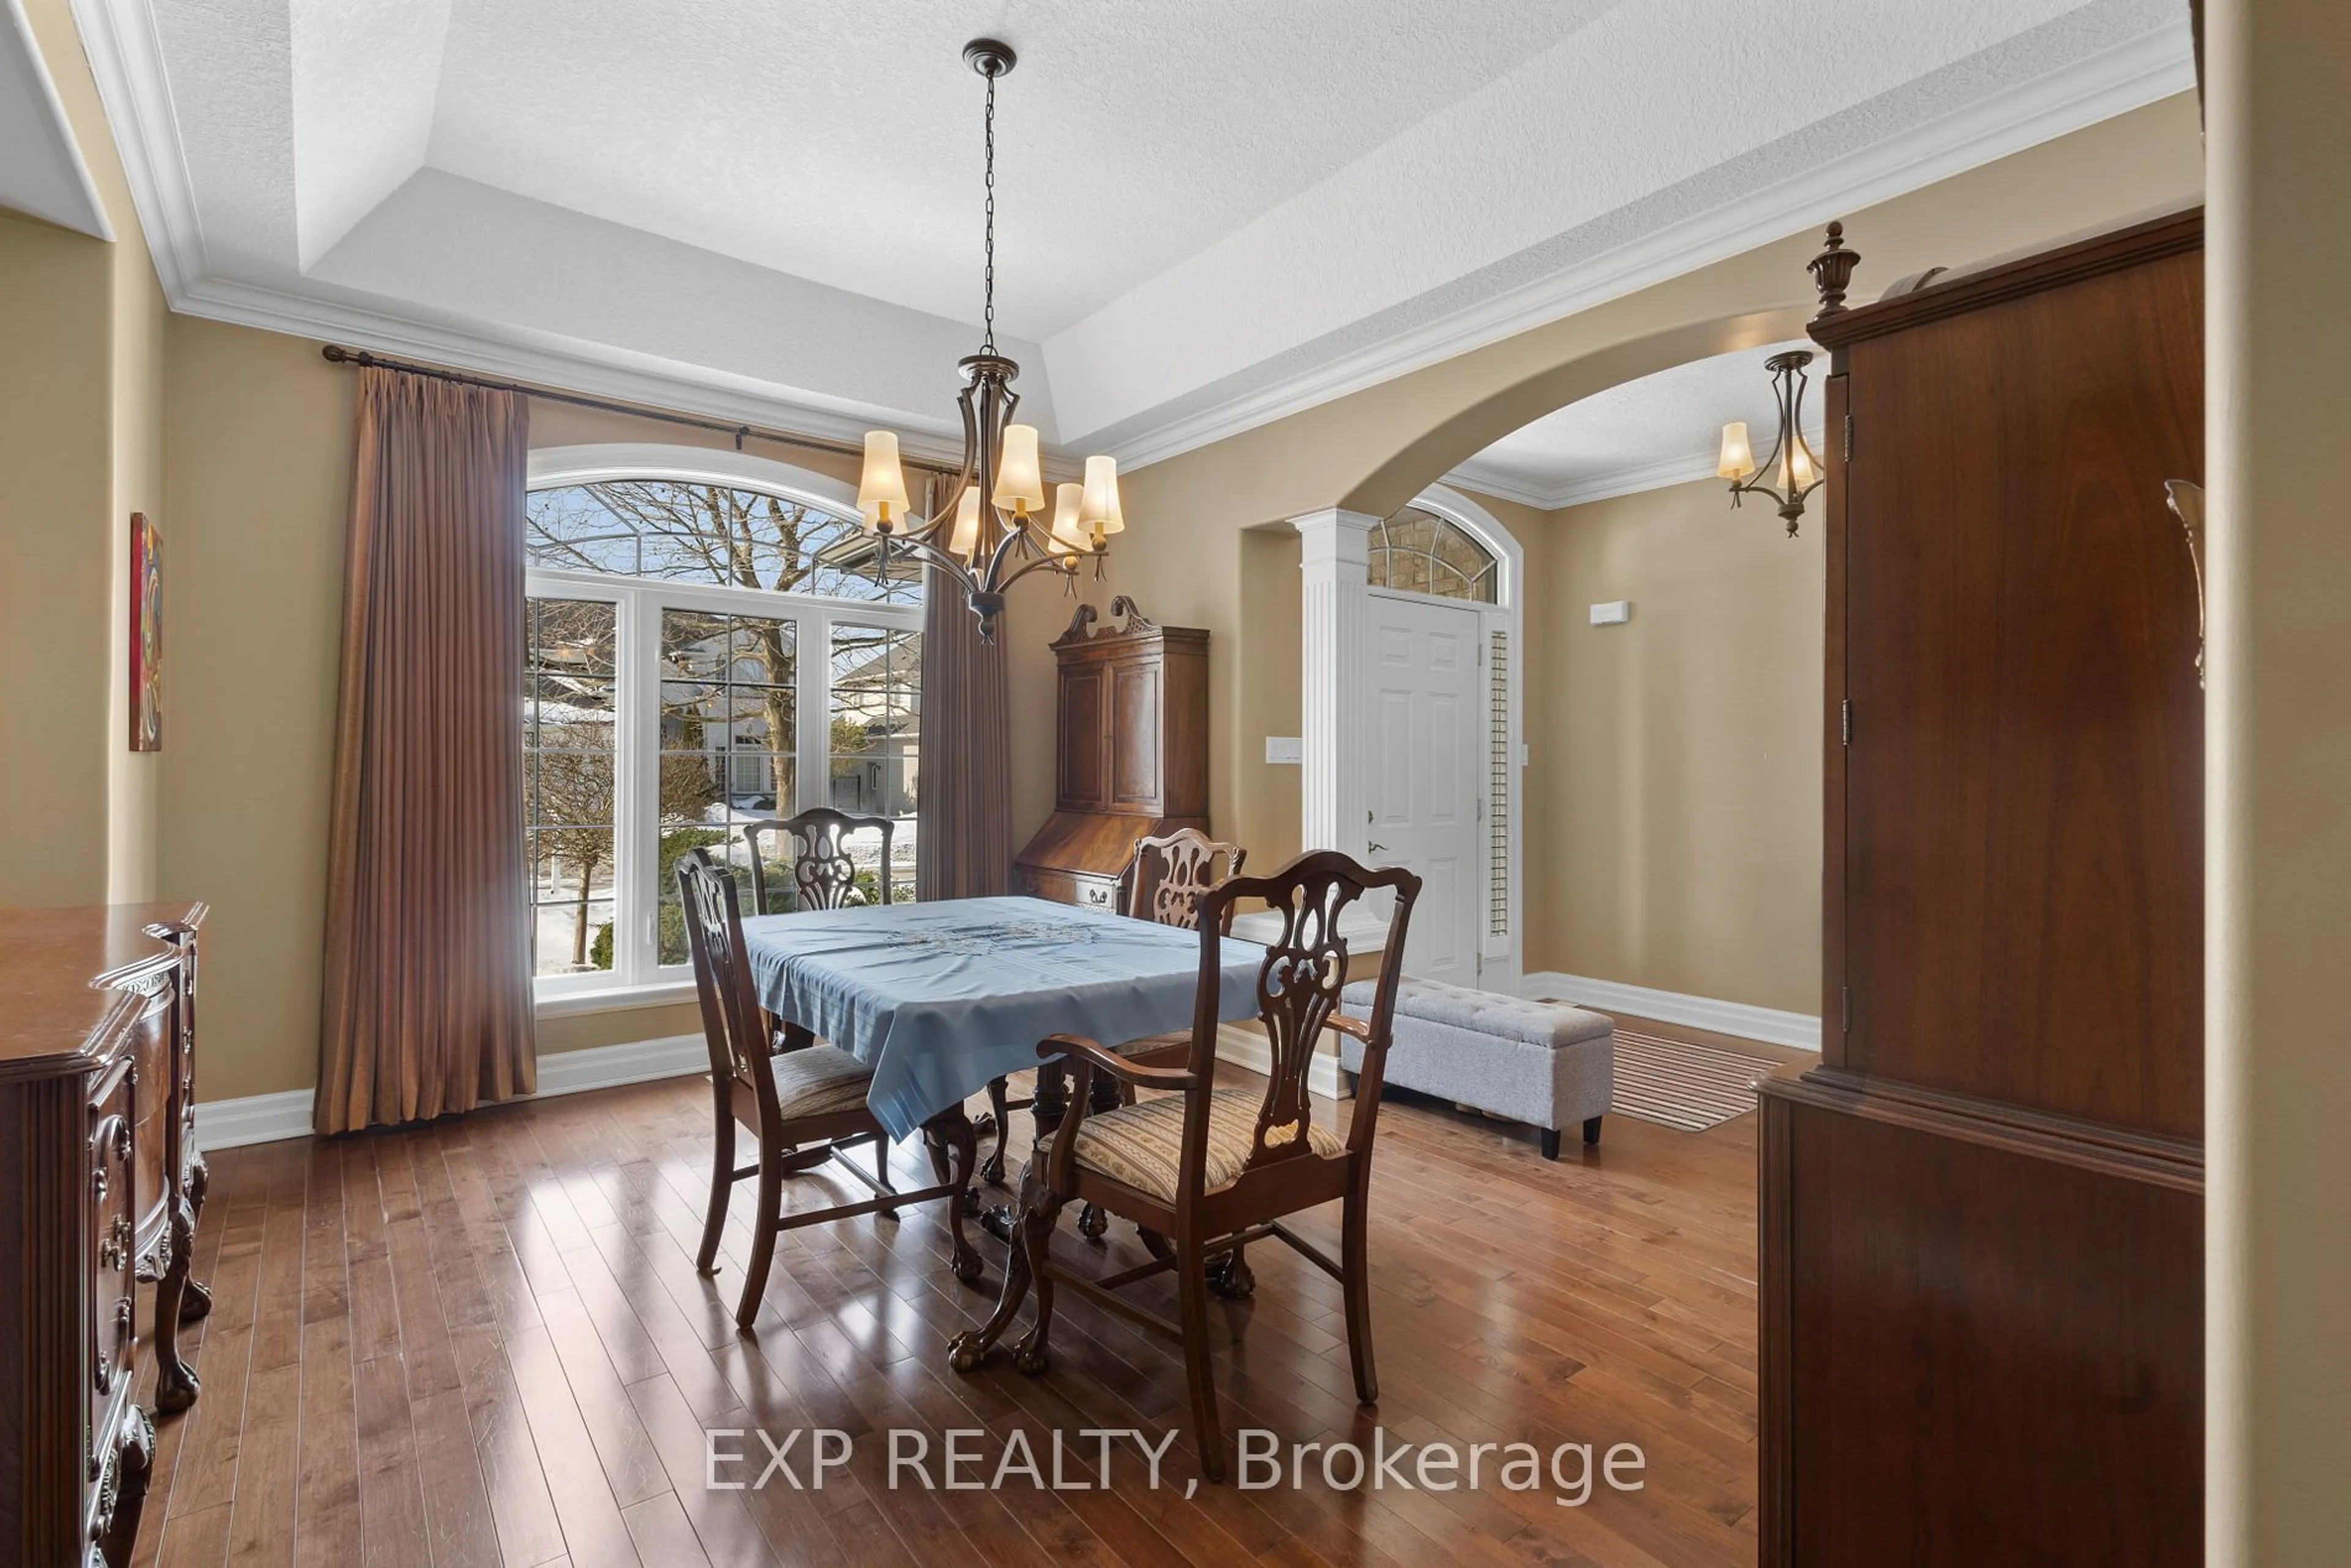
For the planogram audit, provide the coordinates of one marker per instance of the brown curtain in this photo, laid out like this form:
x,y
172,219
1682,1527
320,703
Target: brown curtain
x,y
964,801
428,999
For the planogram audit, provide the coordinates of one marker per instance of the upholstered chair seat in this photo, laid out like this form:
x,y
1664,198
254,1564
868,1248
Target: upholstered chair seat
x,y
1179,1042
1143,1145
805,1106
818,1079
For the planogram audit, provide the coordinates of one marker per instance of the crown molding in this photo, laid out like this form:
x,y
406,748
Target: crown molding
x,y
2114,81
126,59
563,364
1629,480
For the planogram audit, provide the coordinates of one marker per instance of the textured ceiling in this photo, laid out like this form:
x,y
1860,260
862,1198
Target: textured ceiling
x,y
1208,212
1662,429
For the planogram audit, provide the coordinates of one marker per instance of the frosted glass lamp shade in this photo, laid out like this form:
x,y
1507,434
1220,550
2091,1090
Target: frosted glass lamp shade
x,y
965,539
1098,507
1737,459
1019,481
1069,536
882,488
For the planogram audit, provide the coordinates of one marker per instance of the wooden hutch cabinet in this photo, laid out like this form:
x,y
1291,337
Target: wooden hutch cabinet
x,y
100,1188
1131,742
1983,1212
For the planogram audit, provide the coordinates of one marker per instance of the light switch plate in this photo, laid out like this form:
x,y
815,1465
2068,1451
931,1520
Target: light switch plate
x,y
1284,748
1616,612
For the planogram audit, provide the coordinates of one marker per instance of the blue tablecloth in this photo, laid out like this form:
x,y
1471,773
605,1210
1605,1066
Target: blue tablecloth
x,y
938,998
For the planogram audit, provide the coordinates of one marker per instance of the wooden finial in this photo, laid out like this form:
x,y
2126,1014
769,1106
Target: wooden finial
x,y
1832,270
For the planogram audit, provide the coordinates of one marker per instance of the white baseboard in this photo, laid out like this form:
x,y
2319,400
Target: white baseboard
x,y
255,1119
1247,1047
269,1118
608,1066
1802,1031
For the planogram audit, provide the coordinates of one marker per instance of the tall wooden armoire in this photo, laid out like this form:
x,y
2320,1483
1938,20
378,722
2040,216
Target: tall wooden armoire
x,y
1982,1257
1131,741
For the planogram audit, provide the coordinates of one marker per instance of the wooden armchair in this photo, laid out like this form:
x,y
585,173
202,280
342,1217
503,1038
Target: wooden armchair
x,y
1211,1169
823,875
1162,882
803,1107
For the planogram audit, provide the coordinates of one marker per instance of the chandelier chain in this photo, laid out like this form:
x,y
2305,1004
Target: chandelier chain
x,y
988,314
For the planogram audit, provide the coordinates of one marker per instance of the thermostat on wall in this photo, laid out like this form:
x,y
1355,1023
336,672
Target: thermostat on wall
x,y
1284,748
1616,612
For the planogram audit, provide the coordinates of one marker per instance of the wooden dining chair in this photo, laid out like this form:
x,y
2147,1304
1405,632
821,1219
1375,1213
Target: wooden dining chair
x,y
823,874
803,1107
1210,1168
1165,876
1162,882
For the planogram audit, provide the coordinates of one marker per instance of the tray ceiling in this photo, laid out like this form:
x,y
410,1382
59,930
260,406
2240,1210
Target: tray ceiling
x,y
1210,214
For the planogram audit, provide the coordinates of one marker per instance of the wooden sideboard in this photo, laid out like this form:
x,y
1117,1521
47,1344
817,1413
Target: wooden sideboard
x,y
100,1183
1131,744
1982,1253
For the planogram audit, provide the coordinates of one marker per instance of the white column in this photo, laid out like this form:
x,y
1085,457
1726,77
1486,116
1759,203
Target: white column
x,y
1336,658
2278,783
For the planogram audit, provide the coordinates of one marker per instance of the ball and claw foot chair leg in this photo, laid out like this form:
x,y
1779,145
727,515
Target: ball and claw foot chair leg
x,y
1032,1356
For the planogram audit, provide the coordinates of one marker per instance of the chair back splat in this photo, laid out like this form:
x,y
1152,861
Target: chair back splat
x,y
824,876
733,1022
1165,877
1297,989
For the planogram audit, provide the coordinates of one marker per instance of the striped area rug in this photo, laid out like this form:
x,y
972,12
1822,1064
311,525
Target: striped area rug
x,y
1687,1087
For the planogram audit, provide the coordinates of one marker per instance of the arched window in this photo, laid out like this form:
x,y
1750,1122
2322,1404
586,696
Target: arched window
x,y
682,531
1416,551
708,643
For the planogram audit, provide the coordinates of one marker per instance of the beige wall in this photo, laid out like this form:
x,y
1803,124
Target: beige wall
x,y
81,391
1674,791
257,444
55,515
2278,764
134,780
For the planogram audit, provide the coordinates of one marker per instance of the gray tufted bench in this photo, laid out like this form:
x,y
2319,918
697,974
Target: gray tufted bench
x,y
1532,1061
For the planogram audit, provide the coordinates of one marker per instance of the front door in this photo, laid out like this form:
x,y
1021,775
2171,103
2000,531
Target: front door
x,y
1427,735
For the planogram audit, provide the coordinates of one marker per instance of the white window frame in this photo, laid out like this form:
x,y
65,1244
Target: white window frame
x,y
637,977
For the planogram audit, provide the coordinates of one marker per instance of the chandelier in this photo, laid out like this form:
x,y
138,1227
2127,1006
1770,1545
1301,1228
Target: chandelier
x,y
995,532
1791,471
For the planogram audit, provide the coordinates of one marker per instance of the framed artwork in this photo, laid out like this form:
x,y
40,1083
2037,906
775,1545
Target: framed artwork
x,y
146,636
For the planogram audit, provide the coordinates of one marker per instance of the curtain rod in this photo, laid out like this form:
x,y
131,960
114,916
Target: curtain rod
x,y
336,353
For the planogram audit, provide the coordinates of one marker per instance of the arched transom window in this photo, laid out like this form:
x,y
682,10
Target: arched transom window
x,y
700,654
1417,551
679,531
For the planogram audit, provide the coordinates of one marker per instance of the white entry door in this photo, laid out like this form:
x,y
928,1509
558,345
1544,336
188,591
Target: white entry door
x,y
1427,737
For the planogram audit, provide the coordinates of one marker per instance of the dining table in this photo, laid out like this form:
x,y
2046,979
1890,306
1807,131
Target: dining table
x,y
940,998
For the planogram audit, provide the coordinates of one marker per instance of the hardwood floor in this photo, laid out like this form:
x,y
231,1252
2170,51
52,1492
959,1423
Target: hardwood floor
x,y
484,1342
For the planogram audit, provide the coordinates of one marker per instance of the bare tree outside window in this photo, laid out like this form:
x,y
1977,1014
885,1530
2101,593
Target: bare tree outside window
x,y
725,686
